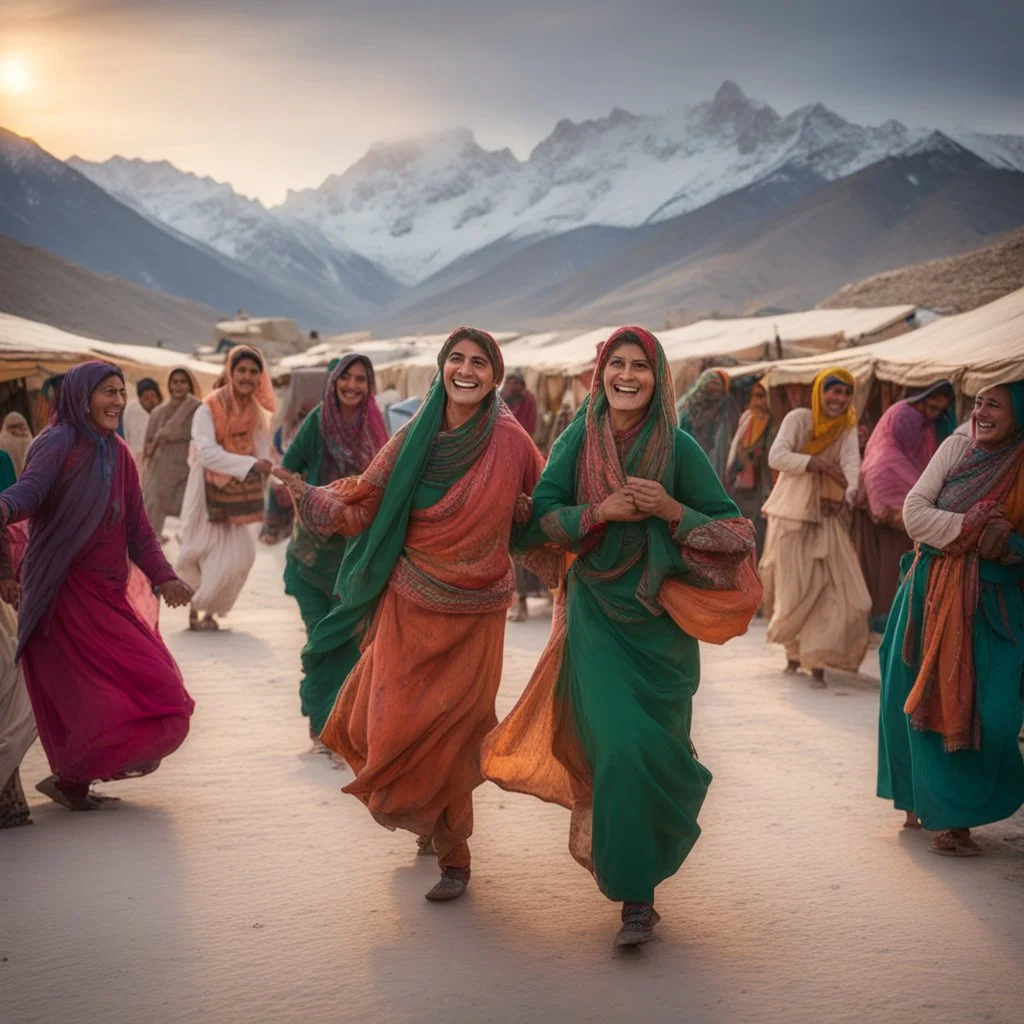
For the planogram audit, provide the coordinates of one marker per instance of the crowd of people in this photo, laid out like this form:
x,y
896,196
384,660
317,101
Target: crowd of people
x,y
653,525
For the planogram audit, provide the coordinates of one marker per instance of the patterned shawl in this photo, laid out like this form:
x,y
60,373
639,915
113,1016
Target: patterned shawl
x,y
699,409
66,488
943,698
350,445
826,430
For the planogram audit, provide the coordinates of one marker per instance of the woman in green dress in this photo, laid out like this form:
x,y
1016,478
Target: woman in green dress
x,y
338,439
662,559
953,654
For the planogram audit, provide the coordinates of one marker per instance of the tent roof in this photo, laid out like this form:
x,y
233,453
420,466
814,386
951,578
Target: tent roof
x,y
35,350
976,349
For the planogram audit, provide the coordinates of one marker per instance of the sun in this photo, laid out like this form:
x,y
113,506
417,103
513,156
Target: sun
x,y
14,76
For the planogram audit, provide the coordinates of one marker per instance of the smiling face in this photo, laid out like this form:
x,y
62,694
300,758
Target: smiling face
x,y
993,417
149,399
628,379
468,375
179,385
245,376
836,399
353,386
107,403
759,399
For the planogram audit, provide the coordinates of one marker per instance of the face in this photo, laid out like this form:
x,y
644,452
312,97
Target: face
x,y
836,399
179,386
353,386
149,399
514,387
468,375
934,406
245,376
993,417
759,399
714,386
629,379
107,403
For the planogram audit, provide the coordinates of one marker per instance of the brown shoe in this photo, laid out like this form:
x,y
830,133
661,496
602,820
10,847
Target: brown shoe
x,y
452,885
638,921
955,842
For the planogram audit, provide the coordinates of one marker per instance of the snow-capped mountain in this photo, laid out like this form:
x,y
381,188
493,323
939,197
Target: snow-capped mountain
x,y
296,255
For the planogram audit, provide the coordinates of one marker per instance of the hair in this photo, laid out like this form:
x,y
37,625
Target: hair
x,y
253,358
147,384
624,338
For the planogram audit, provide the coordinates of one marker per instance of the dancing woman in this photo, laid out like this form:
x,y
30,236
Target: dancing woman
x,y
338,439
662,560
108,699
953,654
416,634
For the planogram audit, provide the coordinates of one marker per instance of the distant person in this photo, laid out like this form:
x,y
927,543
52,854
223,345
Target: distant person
x,y
168,436
897,453
136,417
814,590
748,477
338,439
15,438
953,655
704,413
224,493
520,401
109,701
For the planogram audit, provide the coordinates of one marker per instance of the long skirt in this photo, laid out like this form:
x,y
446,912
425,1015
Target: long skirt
x,y
814,593
879,550
109,701
17,723
968,787
412,715
215,558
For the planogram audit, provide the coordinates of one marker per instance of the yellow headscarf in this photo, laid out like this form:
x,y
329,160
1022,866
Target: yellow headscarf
x,y
826,430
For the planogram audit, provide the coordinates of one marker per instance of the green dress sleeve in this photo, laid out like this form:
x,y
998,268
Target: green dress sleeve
x,y
303,455
697,488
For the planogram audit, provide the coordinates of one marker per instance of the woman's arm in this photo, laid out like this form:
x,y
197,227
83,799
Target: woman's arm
x,y
849,462
785,455
211,455
924,522
143,547
45,460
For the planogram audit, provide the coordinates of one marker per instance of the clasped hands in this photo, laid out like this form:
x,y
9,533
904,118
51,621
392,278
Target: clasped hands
x,y
639,499
995,535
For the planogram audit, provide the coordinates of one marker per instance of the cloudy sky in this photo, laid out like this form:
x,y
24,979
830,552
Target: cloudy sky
x,y
276,94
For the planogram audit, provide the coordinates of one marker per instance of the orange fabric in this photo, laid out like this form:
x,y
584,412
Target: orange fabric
x,y
942,699
757,422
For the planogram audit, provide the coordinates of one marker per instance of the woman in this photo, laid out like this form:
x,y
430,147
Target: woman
x,y
108,698
338,439
15,438
663,560
17,725
224,492
135,420
417,633
704,415
748,476
166,453
900,447
953,657
814,589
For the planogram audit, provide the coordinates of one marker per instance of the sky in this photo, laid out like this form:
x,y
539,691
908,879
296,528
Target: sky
x,y
277,94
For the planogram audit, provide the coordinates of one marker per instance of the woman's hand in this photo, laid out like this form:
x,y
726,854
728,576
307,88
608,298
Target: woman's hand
x,y
297,487
619,507
10,592
176,593
263,466
523,511
649,496
819,465
992,543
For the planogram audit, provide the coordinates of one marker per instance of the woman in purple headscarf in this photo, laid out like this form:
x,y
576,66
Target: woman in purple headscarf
x,y
108,697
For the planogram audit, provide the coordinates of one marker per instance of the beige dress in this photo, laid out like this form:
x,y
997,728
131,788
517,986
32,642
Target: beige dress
x,y
135,421
814,589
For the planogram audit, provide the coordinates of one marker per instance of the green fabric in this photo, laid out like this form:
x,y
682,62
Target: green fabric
x,y
968,787
311,566
333,647
630,675
7,474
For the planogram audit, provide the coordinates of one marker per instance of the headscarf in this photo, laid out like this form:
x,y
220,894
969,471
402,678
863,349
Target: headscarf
x,y
235,424
426,454
699,409
899,450
350,445
148,384
943,698
174,419
71,469
15,446
946,424
825,429
758,420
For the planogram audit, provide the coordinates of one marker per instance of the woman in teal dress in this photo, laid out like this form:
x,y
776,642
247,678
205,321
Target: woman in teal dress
x,y
339,438
953,654
663,559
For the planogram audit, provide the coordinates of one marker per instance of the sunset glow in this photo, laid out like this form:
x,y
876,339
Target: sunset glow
x,y
14,76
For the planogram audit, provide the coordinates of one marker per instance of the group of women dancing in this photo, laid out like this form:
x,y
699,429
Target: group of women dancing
x,y
401,559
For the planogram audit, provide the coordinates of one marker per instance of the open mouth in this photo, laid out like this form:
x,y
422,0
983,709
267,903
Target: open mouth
x,y
464,385
625,389
986,425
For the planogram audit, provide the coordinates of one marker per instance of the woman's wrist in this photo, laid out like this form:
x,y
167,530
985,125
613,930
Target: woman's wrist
x,y
672,511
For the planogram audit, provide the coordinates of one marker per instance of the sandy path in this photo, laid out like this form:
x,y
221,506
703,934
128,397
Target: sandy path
x,y
237,884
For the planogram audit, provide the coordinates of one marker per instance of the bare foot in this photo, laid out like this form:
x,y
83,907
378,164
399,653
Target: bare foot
x,y
912,820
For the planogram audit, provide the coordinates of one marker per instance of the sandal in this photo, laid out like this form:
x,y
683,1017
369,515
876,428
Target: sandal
x,y
955,842
638,921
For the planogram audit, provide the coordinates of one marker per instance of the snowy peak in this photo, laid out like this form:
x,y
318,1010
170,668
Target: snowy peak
x,y
730,106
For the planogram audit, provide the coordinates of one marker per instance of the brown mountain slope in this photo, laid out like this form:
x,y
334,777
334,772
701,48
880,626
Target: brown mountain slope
x,y
955,284
39,286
